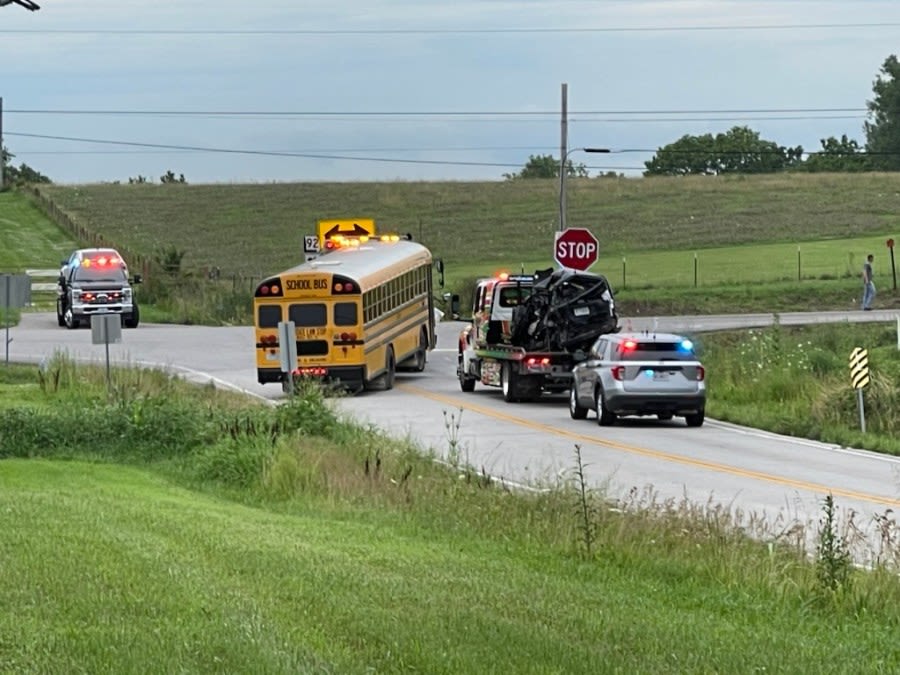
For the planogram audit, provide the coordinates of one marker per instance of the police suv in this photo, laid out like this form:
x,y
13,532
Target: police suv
x,y
95,281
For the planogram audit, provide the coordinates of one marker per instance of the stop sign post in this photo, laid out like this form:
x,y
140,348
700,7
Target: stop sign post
x,y
576,248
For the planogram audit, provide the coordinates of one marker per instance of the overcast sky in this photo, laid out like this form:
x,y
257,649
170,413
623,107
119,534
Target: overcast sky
x,y
457,90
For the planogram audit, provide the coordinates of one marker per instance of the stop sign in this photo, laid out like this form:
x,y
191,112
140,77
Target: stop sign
x,y
576,248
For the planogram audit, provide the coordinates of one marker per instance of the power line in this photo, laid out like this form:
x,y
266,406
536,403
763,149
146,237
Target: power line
x,y
486,148
422,113
336,155
267,153
442,31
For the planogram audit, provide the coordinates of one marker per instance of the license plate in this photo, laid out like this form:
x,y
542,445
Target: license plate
x,y
582,311
659,375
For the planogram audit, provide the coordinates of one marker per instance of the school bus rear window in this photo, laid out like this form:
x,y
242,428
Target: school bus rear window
x,y
269,316
308,314
345,314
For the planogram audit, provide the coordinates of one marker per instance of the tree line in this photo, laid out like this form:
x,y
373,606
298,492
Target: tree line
x,y
742,150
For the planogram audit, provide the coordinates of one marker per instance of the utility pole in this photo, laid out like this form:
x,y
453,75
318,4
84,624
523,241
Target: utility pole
x,y
563,144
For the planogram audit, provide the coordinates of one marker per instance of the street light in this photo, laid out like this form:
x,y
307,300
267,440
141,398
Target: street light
x,y
562,182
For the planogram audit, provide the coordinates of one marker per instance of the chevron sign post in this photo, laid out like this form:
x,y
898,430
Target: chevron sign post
x,y
859,377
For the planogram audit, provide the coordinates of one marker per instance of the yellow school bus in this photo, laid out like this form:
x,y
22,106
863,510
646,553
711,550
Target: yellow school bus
x,y
361,311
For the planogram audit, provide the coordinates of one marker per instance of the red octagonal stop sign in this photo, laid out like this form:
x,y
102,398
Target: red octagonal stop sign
x,y
576,248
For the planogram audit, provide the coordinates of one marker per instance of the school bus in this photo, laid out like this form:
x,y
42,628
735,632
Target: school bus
x,y
361,311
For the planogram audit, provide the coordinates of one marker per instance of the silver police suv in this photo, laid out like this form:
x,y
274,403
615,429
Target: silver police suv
x,y
95,281
640,374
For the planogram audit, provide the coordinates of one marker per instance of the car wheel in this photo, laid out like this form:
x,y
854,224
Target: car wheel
x,y
466,383
695,420
576,410
60,318
605,418
70,319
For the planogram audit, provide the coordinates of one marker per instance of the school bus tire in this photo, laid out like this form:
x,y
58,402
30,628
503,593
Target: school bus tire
x,y
390,369
416,362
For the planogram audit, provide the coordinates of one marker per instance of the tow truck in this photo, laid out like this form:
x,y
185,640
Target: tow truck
x,y
527,332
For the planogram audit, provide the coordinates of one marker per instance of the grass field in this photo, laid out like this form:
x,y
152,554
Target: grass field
x,y
28,238
197,536
258,229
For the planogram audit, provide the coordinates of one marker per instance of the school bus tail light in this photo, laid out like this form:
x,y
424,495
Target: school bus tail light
x,y
268,342
341,285
271,288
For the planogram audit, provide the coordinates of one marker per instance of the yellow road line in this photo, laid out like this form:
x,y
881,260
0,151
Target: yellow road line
x,y
655,454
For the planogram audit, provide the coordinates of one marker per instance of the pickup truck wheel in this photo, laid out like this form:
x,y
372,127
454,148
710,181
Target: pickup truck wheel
x,y
70,319
466,383
509,383
132,320
576,410
605,418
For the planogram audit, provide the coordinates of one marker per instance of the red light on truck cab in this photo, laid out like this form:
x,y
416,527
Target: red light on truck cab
x,y
629,346
102,261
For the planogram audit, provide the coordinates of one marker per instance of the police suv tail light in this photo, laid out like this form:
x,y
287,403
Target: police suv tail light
x,y
701,373
618,373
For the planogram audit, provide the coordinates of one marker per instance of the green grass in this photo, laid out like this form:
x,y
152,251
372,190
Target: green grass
x,y
258,229
796,381
28,238
132,574
172,528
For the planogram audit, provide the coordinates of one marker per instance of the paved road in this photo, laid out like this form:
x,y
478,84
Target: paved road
x,y
765,479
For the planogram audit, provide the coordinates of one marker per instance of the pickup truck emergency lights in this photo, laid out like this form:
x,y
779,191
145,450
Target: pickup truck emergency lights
x,y
102,261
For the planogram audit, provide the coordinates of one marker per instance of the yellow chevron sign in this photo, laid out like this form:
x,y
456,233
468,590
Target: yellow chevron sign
x,y
859,367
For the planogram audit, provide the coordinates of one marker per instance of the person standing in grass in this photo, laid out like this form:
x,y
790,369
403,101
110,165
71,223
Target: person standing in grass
x,y
868,283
